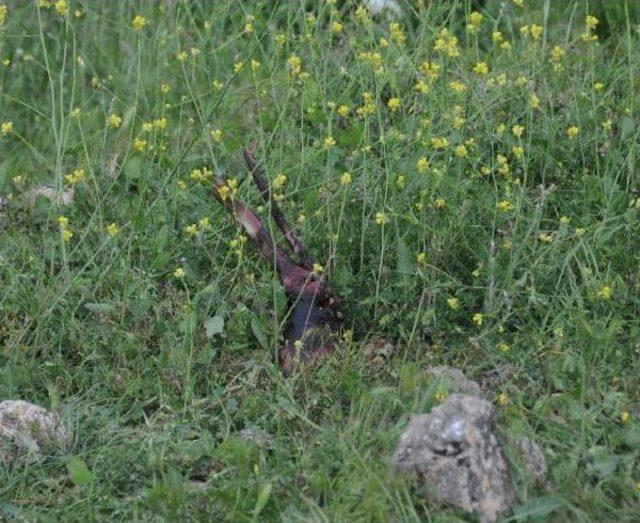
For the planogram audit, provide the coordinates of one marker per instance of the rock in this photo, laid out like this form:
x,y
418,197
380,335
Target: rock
x,y
533,460
454,380
27,428
377,352
454,449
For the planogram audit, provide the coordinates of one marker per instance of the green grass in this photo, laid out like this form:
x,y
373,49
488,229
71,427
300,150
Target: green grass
x,y
100,328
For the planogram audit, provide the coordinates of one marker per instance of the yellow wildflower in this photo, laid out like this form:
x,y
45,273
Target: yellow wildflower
x,y
422,165
216,134
478,319
6,128
381,218
421,258
545,237
113,229
139,22
394,104
61,7
329,142
605,293
481,68
505,206
517,130
343,110
179,273
573,131
345,179
453,303
140,145
114,121
336,27
191,230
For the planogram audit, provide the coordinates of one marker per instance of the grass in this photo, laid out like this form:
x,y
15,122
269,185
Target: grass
x,y
511,251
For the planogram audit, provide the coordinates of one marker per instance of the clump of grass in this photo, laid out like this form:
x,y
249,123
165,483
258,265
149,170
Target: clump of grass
x,y
467,179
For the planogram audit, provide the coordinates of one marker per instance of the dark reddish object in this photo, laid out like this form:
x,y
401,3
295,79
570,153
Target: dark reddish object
x,y
314,318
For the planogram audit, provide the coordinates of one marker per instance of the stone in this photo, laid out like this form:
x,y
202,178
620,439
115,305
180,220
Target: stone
x,y
533,460
455,380
455,451
29,430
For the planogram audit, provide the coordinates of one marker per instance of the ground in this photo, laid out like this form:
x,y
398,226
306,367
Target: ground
x,y
465,174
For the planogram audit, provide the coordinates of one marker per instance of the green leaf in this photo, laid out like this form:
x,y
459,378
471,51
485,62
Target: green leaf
x,y
404,265
536,508
263,498
100,308
213,325
79,472
258,332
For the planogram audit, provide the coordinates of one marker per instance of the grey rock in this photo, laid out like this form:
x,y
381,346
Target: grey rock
x,y
29,430
533,459
454,449
455,380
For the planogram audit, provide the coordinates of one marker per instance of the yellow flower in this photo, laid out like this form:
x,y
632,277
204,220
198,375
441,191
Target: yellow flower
x,y
401,181
75,177
497,37
518,151
191,230
165,89
204,223
440,396
503,398
317,268
216,134
181,56
598,86
114,120
147,127
545,237
607,126
113,229
422,258
503,346
478,318
475,19
3,13
422,165
329,142
160,123
457,86
61,7
345,179
505,206
438,142
394,104
248,28
557,53
179,273
591,22
6,128
534,101
280,39
279,181
461,151
447,43
517,130
605,293
139,23
580,232
536,31
572,131
140,145
336,27
481,68
453,303
440,203
397,34
381,218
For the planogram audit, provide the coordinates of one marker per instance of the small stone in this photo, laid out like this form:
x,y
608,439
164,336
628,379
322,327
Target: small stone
x,y
454,380
455,451
533,459
28,429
